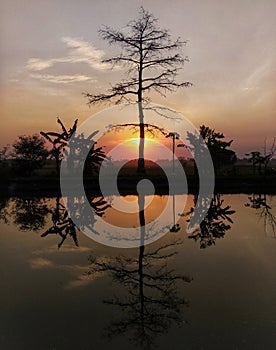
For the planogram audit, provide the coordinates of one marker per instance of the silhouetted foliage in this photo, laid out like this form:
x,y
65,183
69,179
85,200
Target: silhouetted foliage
x,y
221,156
59,141
75,150
152,61
215,224
30,154
261,162
3,153
83,149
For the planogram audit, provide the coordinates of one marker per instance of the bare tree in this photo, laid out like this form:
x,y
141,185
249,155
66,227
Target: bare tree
x,y
152,59
268,156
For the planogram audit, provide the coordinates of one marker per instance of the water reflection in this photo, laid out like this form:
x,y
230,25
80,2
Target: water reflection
x,y
63,224
29,214
215,224
151,292
150,304
259,202
4,213
176,227
33,214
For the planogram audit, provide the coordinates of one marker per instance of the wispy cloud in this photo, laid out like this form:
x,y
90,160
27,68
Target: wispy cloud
x,y
254,79
79,51
62,79
38,263
37,64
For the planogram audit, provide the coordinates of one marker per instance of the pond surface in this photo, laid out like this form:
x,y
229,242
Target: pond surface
x,y
214,288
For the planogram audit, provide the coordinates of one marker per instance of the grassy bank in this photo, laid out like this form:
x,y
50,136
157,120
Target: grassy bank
x,y
50,185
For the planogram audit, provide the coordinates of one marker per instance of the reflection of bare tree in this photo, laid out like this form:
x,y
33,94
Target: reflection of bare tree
x,y
264,210
63,224
29,213
152,303
214,224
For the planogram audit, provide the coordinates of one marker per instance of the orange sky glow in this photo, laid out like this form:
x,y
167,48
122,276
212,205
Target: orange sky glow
x,y
49,61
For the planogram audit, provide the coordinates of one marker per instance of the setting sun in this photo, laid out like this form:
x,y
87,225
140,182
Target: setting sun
x,y
135,141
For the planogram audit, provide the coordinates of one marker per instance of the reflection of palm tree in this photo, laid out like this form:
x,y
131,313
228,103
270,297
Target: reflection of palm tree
x,y
29,213
152,304
260,203
63,224
213,225
175,227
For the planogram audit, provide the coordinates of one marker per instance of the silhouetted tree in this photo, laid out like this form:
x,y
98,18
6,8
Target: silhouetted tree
x,y
257,160
174,136
268,156
30,154
59,141
152,60
221,156
3,153
260,161
75,149
81,146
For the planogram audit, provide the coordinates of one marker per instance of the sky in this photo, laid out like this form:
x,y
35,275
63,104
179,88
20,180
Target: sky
x,y
50,53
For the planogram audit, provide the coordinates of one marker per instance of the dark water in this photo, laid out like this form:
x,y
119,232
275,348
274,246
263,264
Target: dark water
x,y
212,289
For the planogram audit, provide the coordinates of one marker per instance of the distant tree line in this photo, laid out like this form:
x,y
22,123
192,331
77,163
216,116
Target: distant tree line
x,y
29,153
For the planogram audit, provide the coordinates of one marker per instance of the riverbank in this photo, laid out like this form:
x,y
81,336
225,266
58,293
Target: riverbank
x,y
127,185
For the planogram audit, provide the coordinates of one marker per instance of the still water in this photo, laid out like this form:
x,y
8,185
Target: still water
x,y
214,288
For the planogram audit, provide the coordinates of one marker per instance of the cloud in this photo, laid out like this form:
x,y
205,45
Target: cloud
x,y
65,249
36,64
79,51
62,79
256,77
82,51
38,263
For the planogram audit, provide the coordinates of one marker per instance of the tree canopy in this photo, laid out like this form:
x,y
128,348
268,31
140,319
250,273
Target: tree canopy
x,y
149,54
30,153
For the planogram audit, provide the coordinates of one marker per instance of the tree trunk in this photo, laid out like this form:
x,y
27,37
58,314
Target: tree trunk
x,y
141,160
